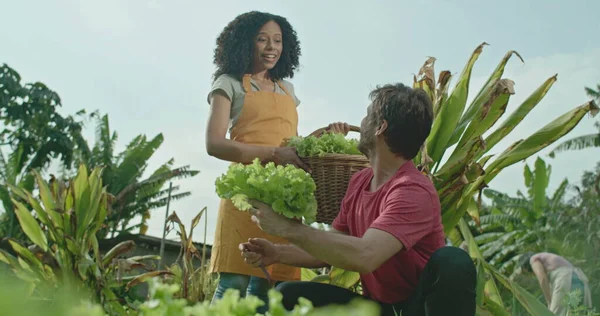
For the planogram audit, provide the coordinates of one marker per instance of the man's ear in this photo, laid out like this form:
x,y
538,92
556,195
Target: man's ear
x,y
381,128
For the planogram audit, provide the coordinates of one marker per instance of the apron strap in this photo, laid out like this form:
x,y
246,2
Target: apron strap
x,y
246,83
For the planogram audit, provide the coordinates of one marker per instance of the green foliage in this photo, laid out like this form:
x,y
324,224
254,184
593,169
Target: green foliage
x,y
327,143
196,285
585,141
529,302
466,132
162,302
578,143
334,276
33,133
574,302
123,175
65,250
459,177
569,228
69,301
594,94
288,190
575,234
513,225
32,127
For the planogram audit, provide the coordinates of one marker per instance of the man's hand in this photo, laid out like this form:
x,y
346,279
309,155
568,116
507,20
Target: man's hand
x,y
258,251
269,221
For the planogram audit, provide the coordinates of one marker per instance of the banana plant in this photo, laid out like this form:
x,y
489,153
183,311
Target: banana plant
x,y
584,141
518,223
124,177
335,276
466,132
64,241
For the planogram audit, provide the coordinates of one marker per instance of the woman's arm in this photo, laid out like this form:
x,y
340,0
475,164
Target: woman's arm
x,y
217,144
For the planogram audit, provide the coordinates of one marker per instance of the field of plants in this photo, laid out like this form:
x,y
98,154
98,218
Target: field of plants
x,y
52,225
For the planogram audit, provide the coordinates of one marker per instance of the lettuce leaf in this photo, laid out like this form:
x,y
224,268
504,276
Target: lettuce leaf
x,y
288,190
328,143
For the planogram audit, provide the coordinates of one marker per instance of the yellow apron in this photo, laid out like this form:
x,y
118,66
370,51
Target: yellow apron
x,y
267,118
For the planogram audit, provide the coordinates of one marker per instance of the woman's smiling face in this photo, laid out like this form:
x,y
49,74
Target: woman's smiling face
x,y
268,46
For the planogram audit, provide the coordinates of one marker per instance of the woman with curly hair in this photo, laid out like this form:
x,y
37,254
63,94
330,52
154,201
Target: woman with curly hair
x,y
251,100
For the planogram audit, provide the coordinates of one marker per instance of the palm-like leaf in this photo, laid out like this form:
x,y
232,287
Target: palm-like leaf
x,y
500,219
123,174
595,94
461,178
585,141
577,143
516,224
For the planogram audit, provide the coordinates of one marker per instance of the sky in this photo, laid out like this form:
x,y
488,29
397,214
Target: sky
x,y
148,65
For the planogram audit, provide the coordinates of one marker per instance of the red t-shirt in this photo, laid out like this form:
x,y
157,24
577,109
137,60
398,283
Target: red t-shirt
x,y
406,206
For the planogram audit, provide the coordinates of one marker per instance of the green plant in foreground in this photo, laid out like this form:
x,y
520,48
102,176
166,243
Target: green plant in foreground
x,y
163,303
65,247
465,132
68,301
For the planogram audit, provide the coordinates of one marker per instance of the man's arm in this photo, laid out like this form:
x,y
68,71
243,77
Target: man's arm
x,y
258,251
294,256
406,217
540,273
362,255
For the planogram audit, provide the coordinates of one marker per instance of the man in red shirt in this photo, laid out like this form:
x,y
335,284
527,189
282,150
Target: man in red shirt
x,y
388,229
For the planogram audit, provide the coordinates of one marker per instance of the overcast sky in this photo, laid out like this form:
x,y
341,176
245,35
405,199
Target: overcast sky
x,y
148,64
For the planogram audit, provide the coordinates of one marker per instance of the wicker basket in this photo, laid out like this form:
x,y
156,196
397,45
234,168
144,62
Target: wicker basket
x,y
332,173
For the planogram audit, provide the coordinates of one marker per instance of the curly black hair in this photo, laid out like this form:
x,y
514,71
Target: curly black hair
x,y
235,46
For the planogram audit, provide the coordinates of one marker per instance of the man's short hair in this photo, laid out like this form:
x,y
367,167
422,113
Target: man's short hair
x,y
409,115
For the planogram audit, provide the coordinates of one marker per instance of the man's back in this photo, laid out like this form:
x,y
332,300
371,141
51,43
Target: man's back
x,y
407,207
550,261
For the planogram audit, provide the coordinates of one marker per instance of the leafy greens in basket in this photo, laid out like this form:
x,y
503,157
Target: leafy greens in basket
x,y
328,143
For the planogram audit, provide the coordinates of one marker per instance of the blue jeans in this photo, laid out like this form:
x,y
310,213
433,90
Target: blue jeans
x,y
246,285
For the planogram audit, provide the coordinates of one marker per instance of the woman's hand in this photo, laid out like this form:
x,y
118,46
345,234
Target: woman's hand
x,y
339,128
289,155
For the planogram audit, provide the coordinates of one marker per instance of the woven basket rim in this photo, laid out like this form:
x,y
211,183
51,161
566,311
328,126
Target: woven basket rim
x,y
329,156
